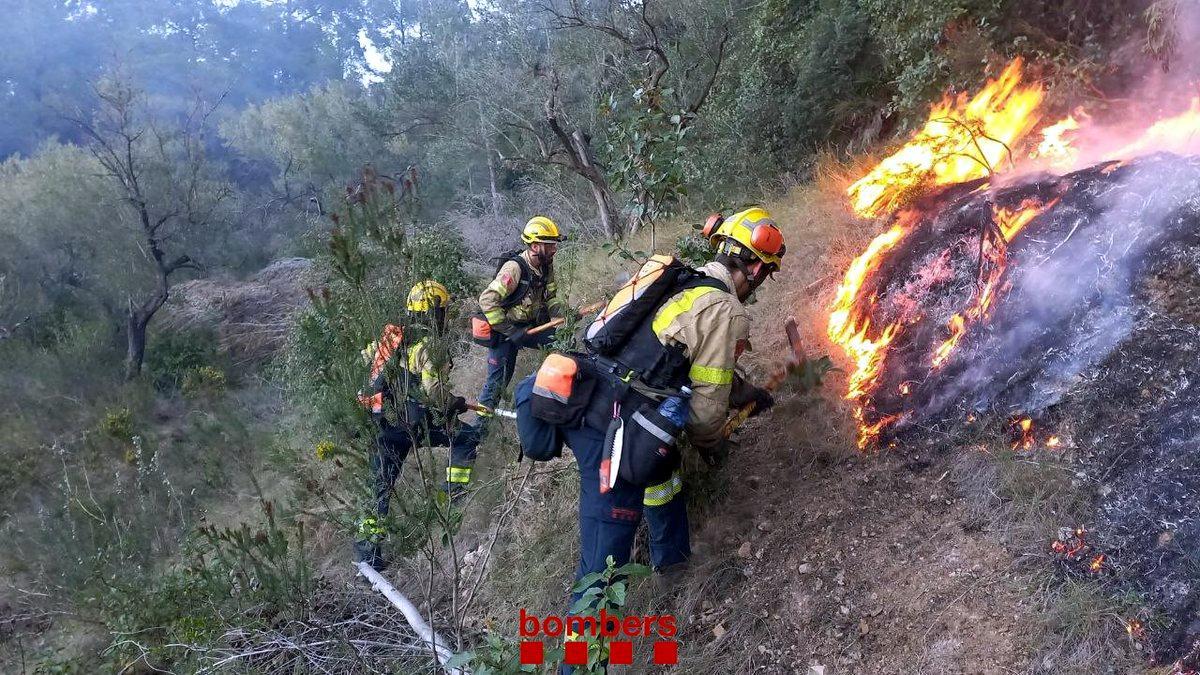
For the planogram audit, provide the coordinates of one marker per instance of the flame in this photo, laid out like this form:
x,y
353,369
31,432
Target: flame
x,y
850,323
1053,442
1024,427
1009,222
961,141
1012,221
1073,547
1135,628
1168,133
1056,148
1097,564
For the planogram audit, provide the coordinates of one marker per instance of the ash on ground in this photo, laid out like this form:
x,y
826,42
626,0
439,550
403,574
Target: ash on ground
x,y
1096,319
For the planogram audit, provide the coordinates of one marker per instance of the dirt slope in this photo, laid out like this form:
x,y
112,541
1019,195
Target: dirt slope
x,y
811,553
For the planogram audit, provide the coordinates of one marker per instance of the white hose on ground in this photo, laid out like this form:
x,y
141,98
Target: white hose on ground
x,y
439,646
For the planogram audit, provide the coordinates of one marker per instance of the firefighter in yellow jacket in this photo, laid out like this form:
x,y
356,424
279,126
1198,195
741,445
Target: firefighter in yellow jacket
x,y
411,402
517,299
693,339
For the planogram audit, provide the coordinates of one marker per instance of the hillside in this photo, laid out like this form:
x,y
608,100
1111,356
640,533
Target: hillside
x,y
215,214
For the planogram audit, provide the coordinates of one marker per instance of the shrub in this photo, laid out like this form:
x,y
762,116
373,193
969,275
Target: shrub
x,y
694,249
204,381
118,423
171,355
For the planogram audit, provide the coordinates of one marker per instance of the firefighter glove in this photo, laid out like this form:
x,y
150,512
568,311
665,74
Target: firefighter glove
x,y
744,393
457,405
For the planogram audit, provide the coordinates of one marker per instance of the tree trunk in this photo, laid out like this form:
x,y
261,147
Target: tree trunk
x,y
604,209
600,188
139,318
135,351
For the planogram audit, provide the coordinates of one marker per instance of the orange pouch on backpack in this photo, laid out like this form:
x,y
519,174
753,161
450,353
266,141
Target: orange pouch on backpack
x,y
481,332
561,390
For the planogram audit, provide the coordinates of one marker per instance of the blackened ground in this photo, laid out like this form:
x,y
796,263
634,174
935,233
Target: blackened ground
x,y
1095,331
1137,417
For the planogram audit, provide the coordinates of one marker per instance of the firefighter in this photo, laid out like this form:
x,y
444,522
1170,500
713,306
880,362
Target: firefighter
x,y
518,299
421,415
708,325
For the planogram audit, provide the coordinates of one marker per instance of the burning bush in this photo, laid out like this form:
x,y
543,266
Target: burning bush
x,y
1025,295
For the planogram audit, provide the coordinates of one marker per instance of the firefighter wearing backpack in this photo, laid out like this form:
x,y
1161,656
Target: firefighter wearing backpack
x,y
517,299
688,339
410,401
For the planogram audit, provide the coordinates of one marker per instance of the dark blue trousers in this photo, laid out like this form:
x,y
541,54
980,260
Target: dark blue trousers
x,y
501,360
393,444
608,522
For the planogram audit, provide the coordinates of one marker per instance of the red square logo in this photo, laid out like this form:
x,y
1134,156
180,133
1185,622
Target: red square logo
x,y
620,653
575,653
532,653
666,653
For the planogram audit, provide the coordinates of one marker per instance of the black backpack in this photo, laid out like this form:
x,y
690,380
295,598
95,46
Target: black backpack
x,y
529,281
634,302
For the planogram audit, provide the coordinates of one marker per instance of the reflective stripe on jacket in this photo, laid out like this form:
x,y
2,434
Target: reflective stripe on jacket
x,y
708,324
507,279
434,380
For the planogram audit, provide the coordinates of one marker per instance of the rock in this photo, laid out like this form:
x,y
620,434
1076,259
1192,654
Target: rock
x,y
719,630
804,568
744,550
863,627
816,670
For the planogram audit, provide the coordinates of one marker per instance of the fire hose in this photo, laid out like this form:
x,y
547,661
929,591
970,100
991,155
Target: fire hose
x,y
485,411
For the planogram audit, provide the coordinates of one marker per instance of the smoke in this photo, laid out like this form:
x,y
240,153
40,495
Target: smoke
x,y
1066,297
1073,275
1158,111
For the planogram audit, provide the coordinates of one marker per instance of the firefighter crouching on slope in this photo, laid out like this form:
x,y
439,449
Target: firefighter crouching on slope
x,y
697,333
517,299
410,368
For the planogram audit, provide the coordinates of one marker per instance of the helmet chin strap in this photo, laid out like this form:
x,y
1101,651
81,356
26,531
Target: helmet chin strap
x,y
753,280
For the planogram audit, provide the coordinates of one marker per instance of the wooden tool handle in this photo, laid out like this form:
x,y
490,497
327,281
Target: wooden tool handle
x,y
555,323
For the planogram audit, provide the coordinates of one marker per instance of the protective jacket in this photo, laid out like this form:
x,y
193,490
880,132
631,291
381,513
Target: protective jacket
x,y
694,339
519,295
433,379
418,377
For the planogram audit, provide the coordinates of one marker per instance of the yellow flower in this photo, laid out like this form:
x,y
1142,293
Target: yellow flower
x,y
325,450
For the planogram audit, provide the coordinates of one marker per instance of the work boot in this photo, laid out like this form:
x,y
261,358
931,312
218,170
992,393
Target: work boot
x,y
370,553
668,579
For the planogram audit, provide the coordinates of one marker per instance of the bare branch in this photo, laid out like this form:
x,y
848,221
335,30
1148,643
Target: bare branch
x,y
702,96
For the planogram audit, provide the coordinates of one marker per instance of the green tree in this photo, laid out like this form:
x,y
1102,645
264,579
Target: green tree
x,y
171,194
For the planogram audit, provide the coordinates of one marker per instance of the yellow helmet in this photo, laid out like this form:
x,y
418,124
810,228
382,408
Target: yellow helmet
x,y
751,230
540,230
427,295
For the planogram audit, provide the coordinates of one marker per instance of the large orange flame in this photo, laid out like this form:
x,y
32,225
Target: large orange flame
x,y
962,140
850,324
965,139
